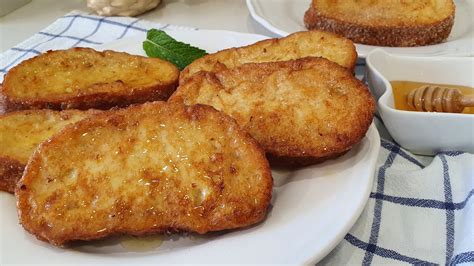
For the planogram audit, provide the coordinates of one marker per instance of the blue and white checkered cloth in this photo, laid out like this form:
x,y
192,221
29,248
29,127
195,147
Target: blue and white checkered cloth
x,y
420,210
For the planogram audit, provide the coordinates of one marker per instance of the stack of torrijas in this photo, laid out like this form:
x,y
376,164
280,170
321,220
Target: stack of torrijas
x,y
196,163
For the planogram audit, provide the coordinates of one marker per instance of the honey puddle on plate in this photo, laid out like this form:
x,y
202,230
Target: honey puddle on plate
x,y
142,243
402,88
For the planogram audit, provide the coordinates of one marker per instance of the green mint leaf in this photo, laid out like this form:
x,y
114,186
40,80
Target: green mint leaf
x,y
161,45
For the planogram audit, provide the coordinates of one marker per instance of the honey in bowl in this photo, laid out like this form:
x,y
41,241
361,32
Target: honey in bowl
x,y
401,89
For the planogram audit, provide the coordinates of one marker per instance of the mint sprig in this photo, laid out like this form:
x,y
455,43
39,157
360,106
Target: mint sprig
x,y
161,45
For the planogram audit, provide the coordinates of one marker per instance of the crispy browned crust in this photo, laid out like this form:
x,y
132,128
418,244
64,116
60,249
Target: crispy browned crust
x,y
10,172
56,217
300,161
97,101
394,36
263,51
249,92
102,100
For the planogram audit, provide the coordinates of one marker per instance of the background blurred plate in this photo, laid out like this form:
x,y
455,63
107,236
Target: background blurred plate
x,y
283,17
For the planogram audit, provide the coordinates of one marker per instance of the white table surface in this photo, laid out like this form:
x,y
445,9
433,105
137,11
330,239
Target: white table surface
x,y
206,14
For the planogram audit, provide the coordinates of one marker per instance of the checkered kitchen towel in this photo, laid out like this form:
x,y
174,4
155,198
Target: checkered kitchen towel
x,y
420,210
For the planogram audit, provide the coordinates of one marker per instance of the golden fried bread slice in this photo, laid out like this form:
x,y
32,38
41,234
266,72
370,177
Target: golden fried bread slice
x,y
300,111
82,78
20,134
384,23
145,169
297,45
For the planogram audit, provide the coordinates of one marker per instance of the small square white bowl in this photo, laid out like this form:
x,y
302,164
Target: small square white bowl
x,y
422,132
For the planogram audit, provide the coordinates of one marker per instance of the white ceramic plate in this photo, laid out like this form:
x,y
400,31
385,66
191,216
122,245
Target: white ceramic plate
x,y
283,17
313,208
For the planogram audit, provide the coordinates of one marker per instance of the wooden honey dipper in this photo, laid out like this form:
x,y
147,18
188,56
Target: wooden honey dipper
x,y
431,98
